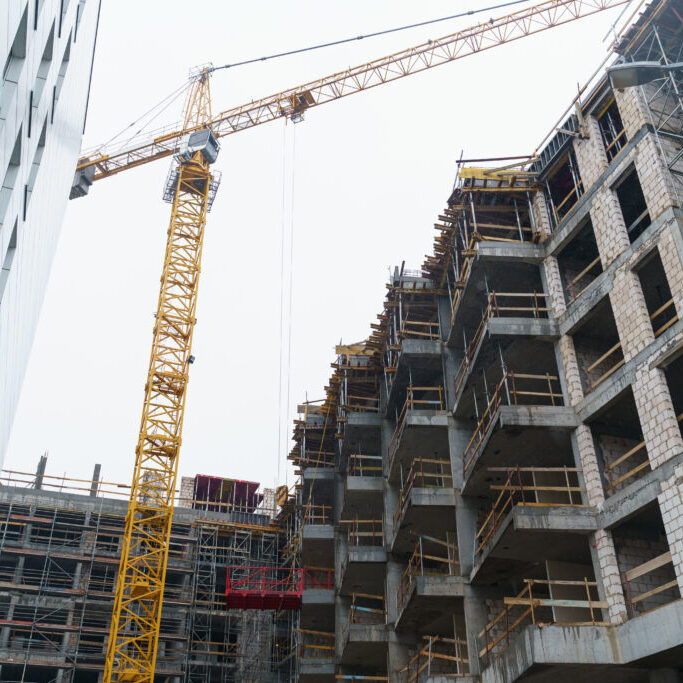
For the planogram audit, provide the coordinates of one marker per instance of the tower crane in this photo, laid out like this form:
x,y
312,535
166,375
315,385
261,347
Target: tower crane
x,y
191,187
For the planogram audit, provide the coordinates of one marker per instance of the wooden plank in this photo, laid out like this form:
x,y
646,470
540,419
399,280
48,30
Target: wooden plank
x,y
649,566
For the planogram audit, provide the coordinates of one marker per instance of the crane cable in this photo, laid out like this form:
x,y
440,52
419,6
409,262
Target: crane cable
x,y
354,39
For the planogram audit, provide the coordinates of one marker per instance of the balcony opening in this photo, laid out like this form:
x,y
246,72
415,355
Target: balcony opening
x,y
597,345
647,572
7,261
579,263
563,187
611,129
632,203
619,444
660,303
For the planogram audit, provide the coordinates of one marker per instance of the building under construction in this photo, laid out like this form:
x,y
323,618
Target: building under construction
x,y
491,488
59,558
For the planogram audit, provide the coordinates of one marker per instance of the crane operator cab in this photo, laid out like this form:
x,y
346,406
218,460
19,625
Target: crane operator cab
x,y
205,142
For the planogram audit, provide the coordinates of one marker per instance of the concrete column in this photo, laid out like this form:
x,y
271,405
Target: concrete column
x,y
459,434
553,283
608,225
670,248
450,360
630,314
586,458
654,175
632,109
444,310
398,656
475,621
393,581
466,525
607,574
590,153
569,369
541,215
671,507
657,416
603,553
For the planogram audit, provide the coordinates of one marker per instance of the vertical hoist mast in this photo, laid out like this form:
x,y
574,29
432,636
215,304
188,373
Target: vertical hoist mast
x,y
134,631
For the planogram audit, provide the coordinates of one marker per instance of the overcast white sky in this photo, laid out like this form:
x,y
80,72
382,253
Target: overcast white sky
x,y
370,175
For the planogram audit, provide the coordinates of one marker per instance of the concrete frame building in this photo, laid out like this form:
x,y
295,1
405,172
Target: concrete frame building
x,y
59,557
491,489
496,475
46,48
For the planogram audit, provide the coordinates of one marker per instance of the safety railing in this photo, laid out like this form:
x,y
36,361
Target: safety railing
x,y
538,486
317,514
360,677
534,605
315,644
355,403
635,601
419,329
438,657
417,398
501,304
318,578
613,359
614,469
423,473
316,458
664,317
431,557
361,465
514,389
463,274
366,608
576,286
661,319
364,532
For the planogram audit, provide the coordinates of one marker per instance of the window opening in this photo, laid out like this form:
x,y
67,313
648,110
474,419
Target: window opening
x,y
612,129
633,206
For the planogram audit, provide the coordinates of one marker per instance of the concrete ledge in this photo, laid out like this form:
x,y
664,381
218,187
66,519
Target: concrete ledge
x,y
364,484
500,251
363,420
564,518
559,417
636,495
317,596
318,474
367,554
651,634
427,418
421,348
541,328
311,669
318,532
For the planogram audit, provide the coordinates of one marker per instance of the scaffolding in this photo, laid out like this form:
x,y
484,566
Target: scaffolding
x,y
59,557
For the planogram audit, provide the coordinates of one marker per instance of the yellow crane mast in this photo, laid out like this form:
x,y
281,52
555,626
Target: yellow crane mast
x,y
134,633
191,187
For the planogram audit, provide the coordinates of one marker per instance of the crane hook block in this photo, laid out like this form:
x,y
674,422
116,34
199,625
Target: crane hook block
x,y
203,141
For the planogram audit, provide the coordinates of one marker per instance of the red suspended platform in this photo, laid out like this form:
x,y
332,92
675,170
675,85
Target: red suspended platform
x,y
277,588
264,588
